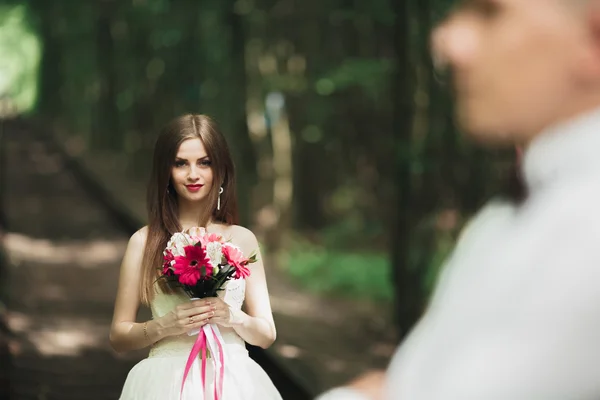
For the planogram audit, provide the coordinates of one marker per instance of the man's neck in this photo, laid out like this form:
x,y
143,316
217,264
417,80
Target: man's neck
x,y
571,110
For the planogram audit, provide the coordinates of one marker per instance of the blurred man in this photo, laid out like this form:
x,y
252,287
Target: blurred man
x,y
516,313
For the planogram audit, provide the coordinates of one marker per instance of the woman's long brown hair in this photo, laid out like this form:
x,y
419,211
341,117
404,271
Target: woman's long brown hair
x,y
163,212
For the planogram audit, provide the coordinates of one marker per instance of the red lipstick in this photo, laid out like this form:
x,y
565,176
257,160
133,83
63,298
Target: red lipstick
x,y
194,188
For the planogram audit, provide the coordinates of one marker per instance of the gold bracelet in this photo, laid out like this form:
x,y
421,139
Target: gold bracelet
x,y
146,331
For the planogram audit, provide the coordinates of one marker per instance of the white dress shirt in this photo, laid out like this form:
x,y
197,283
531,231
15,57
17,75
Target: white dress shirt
x,y
516,312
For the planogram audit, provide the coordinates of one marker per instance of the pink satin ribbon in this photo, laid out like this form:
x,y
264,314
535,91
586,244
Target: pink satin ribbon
x,y
219,392
200,345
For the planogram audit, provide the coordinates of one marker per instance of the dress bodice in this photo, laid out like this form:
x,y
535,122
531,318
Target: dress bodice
x,y
233,294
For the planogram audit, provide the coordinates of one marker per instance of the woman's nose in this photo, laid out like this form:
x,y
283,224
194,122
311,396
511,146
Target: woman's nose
x,y
193,175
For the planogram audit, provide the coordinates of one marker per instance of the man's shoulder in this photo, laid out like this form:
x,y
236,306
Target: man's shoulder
x,y
576,205
494,212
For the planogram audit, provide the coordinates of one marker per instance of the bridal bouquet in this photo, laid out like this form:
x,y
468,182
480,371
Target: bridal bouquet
x,y
201,263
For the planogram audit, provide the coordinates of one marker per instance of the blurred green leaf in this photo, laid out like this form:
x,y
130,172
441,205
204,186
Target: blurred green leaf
x,y
20,53
371,75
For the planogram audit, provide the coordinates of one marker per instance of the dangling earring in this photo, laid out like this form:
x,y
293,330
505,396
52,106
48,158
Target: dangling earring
x,y
219,198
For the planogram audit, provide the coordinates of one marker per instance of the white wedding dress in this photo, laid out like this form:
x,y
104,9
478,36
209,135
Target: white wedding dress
x,y
159,376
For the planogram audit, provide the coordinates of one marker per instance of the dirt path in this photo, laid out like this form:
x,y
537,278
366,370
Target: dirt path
x,y
64,255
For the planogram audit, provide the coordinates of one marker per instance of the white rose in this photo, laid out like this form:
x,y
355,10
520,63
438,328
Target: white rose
x,y
214,253
178,242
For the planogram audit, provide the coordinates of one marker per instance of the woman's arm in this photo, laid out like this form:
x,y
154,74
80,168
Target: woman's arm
x,y
256,325
125,333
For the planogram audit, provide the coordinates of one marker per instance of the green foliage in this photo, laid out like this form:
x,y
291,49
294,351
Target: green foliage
x,y
358,275
115,71
19,57
355,231
370,75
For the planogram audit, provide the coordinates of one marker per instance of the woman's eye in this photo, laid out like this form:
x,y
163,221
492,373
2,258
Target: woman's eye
x,y
205,163
179,164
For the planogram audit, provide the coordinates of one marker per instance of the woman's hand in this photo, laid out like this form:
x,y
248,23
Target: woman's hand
x,y
223,315
187,317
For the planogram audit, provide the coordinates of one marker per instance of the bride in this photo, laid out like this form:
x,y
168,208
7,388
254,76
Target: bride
x,y
192,185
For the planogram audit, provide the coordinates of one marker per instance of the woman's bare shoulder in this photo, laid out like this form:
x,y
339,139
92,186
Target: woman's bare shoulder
x,y
134,253
137,241
242,237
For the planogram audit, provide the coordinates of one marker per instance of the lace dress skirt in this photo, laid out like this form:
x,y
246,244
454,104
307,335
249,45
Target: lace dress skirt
x,y
159,376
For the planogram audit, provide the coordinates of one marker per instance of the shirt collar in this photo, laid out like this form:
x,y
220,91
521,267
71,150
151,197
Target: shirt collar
x,y
567,150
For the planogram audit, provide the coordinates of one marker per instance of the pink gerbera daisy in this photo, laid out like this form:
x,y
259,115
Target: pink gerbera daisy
x,y
235,258
192,267
167,257
210,238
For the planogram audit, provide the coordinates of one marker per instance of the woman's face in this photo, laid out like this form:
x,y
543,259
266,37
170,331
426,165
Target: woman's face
x,y
192,174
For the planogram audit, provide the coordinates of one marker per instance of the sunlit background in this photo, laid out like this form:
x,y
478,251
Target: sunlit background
x,y
351,171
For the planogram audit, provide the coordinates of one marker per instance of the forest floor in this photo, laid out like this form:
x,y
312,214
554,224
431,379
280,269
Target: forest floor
x,y
63,271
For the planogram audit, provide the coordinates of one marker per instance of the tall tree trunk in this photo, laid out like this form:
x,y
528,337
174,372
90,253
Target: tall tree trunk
x,y
189,64
407,280
243,146
308,171
49,16
144,122
303,110
106,123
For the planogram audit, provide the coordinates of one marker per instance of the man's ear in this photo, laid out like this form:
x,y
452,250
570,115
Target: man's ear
x,y
590,65
436,44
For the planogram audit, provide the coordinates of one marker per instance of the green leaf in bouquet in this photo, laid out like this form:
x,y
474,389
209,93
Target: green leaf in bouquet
x,y
253,258
226,272
227,269
203,271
